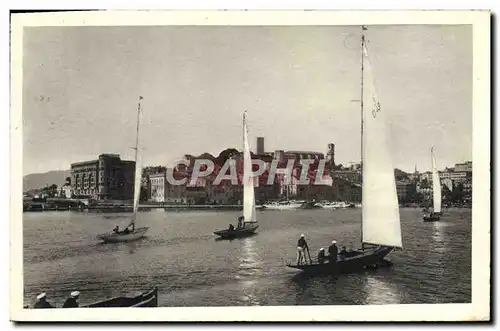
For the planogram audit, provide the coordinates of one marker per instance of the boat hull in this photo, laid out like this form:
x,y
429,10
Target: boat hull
x,y
146,299
366,259
248,230
431,218
122,237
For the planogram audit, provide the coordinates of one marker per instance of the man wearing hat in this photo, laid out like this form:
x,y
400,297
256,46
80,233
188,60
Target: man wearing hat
x,y
41,302
72,301
333,251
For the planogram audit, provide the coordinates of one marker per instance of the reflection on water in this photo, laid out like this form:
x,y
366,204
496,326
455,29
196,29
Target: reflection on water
x,y
249,270
191,269
380,291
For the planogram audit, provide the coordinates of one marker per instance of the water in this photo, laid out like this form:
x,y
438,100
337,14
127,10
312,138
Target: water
x,y
181,256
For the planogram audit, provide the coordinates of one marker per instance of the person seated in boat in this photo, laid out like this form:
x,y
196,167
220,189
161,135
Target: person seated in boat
x,y
129,229
41,302
333,252
321,256
231,227
116,229
72,301
240,221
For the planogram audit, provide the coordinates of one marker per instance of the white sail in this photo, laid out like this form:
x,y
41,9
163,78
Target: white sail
x,y
381,221
436,185
248,186
138,167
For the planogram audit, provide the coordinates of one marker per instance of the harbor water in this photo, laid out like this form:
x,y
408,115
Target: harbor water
x,y
181,256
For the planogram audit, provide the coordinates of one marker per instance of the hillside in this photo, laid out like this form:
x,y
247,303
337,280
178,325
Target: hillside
x,y
35,181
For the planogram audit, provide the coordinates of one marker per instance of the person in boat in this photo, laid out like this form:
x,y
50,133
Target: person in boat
x,y
72,301
301,248
333,252
116,229
231,227
343,252
240,221
41,302
321,256
129,229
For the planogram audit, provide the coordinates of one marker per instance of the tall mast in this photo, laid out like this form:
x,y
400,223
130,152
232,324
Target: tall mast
x,y
136,185
362,117
137,130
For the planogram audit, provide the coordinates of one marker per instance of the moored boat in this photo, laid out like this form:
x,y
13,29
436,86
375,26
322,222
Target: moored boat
x,y
145,299
381,225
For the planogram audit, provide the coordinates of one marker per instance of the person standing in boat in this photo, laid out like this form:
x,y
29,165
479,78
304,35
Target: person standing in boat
x,y
301,249
321,256
72,301
240,221
333,252
41,302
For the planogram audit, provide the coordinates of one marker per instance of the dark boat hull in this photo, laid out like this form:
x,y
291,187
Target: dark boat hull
x,y
248,230
431,218
369,258
146,299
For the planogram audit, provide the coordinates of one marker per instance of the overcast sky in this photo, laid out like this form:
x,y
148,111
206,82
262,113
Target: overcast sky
x,y
81,86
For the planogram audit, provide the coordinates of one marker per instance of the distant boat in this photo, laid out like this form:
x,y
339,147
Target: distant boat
x,y
436,193
284,205
131,233
381,225
249,224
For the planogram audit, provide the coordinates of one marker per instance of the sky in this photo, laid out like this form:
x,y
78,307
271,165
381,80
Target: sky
x,y
299,85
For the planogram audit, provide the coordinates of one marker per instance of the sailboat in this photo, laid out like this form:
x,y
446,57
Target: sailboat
x,y
248,222
436,192
131,233
381,225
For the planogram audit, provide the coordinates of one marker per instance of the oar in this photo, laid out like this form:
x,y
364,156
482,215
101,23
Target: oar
x,y
309,254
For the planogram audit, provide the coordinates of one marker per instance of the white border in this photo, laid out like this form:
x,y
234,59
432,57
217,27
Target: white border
x,y
477,310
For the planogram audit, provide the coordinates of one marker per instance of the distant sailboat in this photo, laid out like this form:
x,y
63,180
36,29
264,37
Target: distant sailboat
x,y
381,227
249,222
436,192
131,233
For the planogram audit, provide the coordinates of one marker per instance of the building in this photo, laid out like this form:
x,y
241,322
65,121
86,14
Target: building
x,y
464,167
349,175
456,176
107,178
260,146
405,189
66,191
330,156
164,192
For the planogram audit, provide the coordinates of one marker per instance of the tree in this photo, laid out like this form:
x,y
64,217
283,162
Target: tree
x,y
225,155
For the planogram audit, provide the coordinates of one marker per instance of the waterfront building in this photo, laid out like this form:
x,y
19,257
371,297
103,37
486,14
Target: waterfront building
x,y
464,167
107,178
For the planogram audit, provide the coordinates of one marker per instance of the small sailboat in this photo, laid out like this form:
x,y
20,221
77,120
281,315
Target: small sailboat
x,y
248,222
130,233
436,192
381,226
